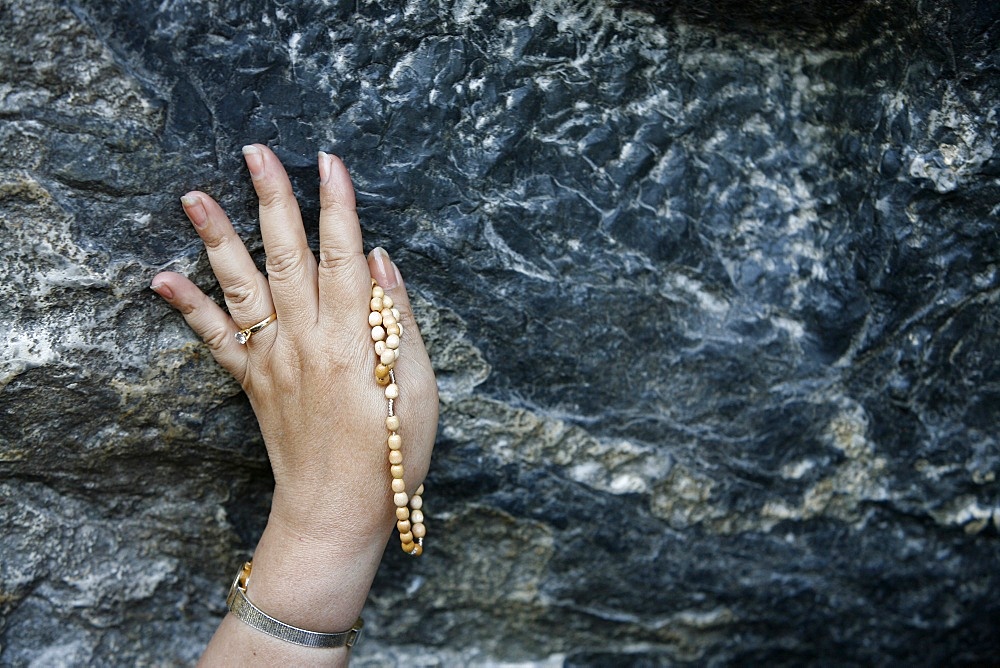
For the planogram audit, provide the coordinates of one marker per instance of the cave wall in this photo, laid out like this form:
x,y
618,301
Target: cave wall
x,y
712,299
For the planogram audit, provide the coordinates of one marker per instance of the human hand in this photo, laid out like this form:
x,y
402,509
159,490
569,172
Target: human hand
x,y
310,375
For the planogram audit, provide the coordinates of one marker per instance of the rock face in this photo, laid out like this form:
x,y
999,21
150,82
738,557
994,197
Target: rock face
x,y
713,304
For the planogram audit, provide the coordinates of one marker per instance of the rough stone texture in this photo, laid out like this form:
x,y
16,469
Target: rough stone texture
x,y
713,300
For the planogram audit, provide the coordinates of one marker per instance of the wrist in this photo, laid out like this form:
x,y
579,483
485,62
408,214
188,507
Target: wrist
x,y
320,586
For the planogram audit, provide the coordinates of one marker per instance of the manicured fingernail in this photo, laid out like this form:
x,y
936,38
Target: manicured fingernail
x,y
194,209
385,275
255,160
324,167
163,290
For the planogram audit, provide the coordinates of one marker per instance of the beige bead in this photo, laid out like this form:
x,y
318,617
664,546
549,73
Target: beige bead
x,y
416,516
395,457
378,292
403,526
378,333
392,341
402,513
399,499
410,547
406,537
386,302
399,326
382,381
381,371
395,441
377,304
420,490
397,471
398,485
375,318
417,550
392,423
392,391
393,329
419,530
416,503
379,349
387,317
395,312
387,356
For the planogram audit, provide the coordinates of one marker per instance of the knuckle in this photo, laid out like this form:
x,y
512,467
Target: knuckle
x,y
215,338
334,261
274,197
241,293
285,262
334,202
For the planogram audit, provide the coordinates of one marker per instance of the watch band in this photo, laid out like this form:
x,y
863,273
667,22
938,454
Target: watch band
x,y
252,616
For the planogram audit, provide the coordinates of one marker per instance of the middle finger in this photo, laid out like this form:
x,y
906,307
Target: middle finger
x,y
291,266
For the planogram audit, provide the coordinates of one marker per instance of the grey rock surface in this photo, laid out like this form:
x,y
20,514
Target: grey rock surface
x,y
712,298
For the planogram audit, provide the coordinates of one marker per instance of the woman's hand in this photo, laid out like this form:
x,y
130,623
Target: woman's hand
x,y
310,379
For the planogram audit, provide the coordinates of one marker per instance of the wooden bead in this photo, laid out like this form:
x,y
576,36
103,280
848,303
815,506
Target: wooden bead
x,y
377,291
399,499
377,304
392,423
387,318
393,329
382,371
378,333
402,513
395,457
397,472
395,441
382,381
379,349
392,391
403,526
392,341
406,537
409,547
375,318
416,516
419,530
416,503
387,356
398,485
386,302
395,312
420,490
417,550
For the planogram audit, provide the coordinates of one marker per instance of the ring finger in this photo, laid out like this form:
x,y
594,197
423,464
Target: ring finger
x,y
243,286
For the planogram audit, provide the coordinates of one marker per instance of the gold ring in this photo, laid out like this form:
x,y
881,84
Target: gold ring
x,y
244,334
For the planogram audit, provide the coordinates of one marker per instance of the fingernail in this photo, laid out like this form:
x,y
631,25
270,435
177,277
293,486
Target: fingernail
x,y
385,275
395,271
324,168
254,159
163,290
194,209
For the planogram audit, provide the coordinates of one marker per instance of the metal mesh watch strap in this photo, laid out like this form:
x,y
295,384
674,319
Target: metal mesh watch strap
x,y
252,616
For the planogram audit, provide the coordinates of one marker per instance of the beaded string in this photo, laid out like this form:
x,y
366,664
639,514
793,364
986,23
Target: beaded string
x,y
387,333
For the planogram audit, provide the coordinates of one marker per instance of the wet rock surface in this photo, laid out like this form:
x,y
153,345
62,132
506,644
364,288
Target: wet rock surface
x,y
713,303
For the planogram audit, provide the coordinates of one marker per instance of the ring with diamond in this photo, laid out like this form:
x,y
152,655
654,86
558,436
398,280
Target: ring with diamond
x,y
244,334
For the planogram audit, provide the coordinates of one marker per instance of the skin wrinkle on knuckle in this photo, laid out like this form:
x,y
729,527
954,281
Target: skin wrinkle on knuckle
x,y
283,263
215,338
275,197
240,294
331,260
